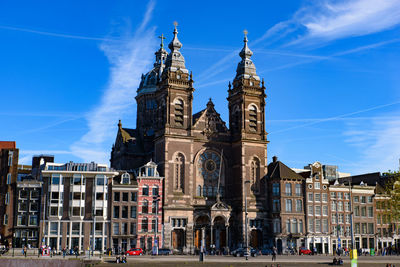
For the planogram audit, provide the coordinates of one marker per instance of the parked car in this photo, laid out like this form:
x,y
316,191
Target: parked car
x,y
305,251
242,252
266,251
135,252
164,251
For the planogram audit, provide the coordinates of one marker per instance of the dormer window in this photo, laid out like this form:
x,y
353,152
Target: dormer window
x,y
125,179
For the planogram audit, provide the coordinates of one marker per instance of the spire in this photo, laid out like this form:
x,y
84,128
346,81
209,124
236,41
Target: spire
x,y
175,60
161,54
246,66
119,124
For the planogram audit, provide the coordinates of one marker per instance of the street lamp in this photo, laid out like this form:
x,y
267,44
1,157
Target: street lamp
x,y
245,216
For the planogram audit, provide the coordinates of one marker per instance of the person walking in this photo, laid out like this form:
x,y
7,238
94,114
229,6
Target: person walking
x,y
274,251
64,251
25,251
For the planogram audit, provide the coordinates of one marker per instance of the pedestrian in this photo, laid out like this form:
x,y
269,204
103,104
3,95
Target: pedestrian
x,y
76,251
25,250
274,251
64,251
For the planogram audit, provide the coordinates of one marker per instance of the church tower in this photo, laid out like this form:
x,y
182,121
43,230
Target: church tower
x,y
246,98
175,93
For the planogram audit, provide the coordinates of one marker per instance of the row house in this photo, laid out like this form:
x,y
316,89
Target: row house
x,y
8,177
124,207
150,201
75,206
286,205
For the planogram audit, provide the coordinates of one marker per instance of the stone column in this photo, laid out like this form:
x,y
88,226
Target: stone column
x,y
227,236
211,235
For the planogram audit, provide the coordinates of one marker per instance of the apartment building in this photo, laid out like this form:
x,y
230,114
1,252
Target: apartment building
x,y
76,206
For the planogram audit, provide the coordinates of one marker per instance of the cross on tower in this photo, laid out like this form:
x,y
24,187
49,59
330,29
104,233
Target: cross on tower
x,y
162,40
245,33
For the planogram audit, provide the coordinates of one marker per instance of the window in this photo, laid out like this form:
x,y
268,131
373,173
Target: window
x,y
311,225
54,228
370,212
340,195
125,196
347,206
340,218
78,196
294,227
347,218
100,179
133,229
134,196
378,205
363,200
324,197
363,228
275,205
116,212
23,194
298,190
288,189
5,221
125,178
317,225
356,199
22,206
116,196
310,197
370,228
347,196
155,191
324,210
99,211
333,205
145,225
357,228
145,206
301,226
33,220
179,172
275,189
100,196
310,210
77,180
325,225
255,174
363,211
253,118
317,197
340,206
333,218
133,212
299,205
317,185
379,219
277,226
288,205
198,191
318,210
357,211
116,228
145,190
287,226
77,211
10,157
125,212
9,178
35,194
153,225
178,112
124,229
333,194
55,179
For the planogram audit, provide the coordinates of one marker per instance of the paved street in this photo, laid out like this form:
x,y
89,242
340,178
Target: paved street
x,y
220,261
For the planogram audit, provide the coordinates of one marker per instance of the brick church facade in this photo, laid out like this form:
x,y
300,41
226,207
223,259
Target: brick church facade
x,y
210,168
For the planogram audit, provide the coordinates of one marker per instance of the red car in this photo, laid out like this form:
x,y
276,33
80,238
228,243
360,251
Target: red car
x,y
304,251
135,252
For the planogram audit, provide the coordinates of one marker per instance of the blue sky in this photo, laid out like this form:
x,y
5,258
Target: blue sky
x,y
69,70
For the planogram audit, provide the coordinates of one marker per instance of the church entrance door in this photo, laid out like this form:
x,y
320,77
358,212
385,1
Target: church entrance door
x,y
178,238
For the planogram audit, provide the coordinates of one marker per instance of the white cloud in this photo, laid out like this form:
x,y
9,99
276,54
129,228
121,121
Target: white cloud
x,y
378,143
128,62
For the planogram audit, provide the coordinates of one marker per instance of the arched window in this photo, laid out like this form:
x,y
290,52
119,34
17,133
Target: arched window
x,y
198,192
253,118
235,124
179,172
205,192
145,207
145,190
155,190
178,103
255,174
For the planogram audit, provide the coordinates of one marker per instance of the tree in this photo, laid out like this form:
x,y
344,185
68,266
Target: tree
x,y
392,190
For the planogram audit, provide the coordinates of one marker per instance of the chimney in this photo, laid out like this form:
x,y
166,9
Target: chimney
x,y
274,159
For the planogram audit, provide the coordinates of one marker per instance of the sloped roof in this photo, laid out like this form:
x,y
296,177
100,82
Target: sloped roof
x,y
370,179
197,116
128,134
279,170
7,145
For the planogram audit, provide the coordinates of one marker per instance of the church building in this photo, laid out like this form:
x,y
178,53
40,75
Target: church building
x,y
212,170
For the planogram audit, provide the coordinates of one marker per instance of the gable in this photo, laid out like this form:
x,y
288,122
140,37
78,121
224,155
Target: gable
x,y
209,123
